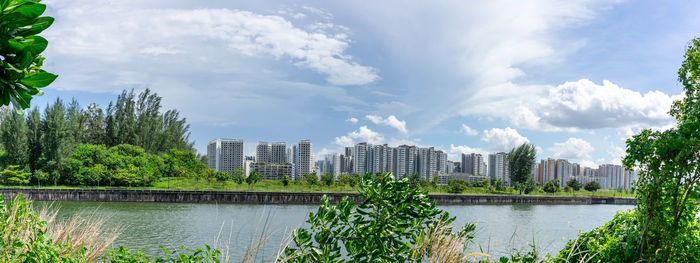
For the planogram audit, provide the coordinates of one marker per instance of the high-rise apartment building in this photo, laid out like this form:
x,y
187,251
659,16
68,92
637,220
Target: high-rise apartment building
x,y
262,152
278,152
360,158
441,162
473,163
498,167
305,159
225,155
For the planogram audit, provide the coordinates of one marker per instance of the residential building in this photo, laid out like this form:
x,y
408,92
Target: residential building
x,y
271,171
262,152
278,152
225,155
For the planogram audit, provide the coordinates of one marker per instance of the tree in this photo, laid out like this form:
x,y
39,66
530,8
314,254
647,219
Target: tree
x,y
592,186
14,175
311,179
521,161
668,163
21,75
285,180
221,177
13,133
552,186
574,184
327,179
34,139
252,178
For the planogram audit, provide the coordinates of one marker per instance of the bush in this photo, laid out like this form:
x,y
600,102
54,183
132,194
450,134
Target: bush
x,y
530,186
552,186
394,223
592,186
327,179
311,179
285,180
456,186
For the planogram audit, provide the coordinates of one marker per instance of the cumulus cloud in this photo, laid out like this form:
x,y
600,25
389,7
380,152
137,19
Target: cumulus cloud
x,y
503,139
573,148
352,120
469,131
455,152
390,121
363,134
583,104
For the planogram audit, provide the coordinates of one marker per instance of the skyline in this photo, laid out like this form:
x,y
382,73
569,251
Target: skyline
x,y
337,74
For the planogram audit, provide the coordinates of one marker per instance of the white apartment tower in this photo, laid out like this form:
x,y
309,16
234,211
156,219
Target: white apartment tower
x,y
225,155
278,152
262,152
304,159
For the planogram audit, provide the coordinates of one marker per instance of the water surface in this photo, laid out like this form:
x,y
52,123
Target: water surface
x,y
500,228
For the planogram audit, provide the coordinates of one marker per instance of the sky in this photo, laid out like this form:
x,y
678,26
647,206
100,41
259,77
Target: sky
x,y
574,78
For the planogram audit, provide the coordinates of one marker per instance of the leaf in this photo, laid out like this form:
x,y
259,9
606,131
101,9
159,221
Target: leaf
x,y
33,44
36,26
29,10
39,80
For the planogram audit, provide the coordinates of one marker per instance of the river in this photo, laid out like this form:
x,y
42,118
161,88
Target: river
x,y
500,228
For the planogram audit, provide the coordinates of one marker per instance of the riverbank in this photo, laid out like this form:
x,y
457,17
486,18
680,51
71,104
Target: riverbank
x,y
248,197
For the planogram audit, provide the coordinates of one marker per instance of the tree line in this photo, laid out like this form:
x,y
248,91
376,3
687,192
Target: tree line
x,y
43,141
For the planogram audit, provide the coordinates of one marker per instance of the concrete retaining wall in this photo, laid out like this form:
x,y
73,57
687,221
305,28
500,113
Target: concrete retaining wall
x,y
121,195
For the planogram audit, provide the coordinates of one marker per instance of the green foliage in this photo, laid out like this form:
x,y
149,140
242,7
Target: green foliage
x,y
414,180
13,134
456,186
252,178
616,241
122,165
311,179
208,254
327,179
179,163
384,227
521,161
530,186
498,184
574,184
592,186
24,237
285,180
21,75
14,175
552,186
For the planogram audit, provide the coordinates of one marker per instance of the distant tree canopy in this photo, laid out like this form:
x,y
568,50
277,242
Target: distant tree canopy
x,y
44,141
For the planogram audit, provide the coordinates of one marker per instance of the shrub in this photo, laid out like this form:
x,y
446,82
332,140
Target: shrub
x,y
327,179
285,180
552,186
592,186
311,179
456,186
394,223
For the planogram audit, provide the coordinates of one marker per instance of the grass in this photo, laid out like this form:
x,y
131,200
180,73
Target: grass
x,y
190,184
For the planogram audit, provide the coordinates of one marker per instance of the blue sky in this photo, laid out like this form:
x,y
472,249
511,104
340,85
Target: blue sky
x,y
575,78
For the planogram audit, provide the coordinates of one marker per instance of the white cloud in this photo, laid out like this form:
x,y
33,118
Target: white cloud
x,y
573,148
503,139
586,105
117,33
616,154
455,152
352,120
469,131
390,121
363,134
